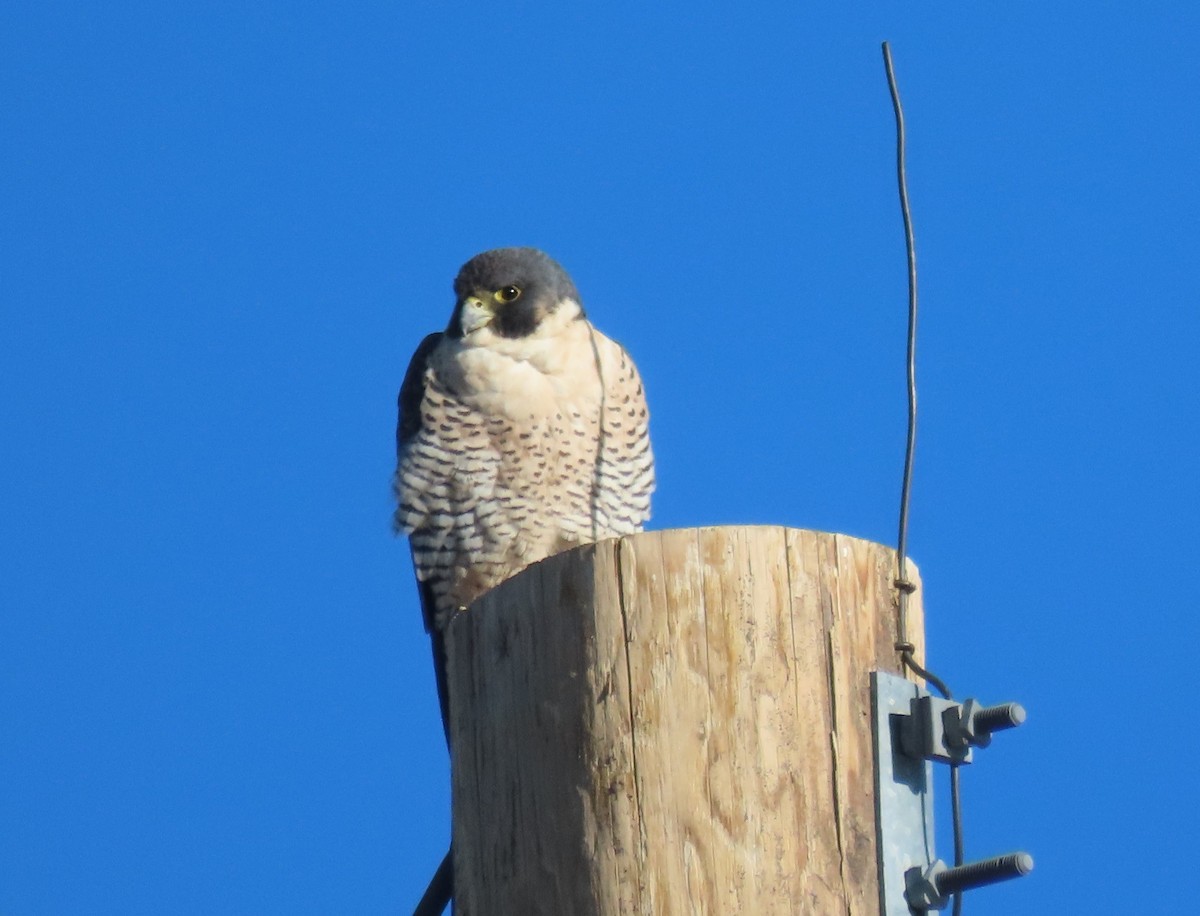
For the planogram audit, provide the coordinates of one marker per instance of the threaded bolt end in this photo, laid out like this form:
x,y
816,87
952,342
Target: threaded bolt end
x,y
997,718
985,871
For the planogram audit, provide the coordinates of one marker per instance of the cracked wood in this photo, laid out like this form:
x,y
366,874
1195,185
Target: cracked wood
x,y
674,722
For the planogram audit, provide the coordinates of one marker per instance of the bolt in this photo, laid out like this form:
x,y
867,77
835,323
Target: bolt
x,y
997,718
985,871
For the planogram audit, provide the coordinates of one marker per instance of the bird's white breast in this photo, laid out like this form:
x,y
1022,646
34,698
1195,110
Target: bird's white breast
x,y
560,365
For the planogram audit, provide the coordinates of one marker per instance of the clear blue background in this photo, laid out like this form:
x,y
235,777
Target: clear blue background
x,y
225,226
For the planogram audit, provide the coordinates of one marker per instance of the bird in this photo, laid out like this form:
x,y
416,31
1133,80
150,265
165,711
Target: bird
x,y
523,431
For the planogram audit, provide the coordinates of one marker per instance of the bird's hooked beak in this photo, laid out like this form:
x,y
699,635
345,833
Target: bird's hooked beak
x,y
476,313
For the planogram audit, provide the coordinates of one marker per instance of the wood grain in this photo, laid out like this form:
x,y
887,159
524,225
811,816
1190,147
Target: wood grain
x,y
675,722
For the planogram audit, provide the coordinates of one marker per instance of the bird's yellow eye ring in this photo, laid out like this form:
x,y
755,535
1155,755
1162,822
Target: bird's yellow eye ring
x,y
507,293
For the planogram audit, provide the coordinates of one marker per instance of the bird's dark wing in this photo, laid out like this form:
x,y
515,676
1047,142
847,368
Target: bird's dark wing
x,y
408,425
412,393
438,644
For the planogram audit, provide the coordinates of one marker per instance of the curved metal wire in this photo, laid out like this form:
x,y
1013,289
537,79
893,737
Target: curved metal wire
x,y
905,587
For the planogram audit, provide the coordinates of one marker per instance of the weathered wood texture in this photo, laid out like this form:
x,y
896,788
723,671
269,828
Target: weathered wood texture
x,y
674,722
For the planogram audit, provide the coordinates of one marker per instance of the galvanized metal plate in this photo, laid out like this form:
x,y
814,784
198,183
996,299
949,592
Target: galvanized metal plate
x,y
903,793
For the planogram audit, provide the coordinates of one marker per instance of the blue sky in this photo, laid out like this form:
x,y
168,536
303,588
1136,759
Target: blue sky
x,y
224,228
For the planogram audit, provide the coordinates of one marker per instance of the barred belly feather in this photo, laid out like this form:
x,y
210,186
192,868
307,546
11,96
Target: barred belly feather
x,y
525,447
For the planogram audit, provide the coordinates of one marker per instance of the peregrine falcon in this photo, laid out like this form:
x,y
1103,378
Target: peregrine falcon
x,y
523,432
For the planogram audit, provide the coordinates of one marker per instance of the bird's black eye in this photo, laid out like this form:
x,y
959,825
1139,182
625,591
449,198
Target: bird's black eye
x,y
508,293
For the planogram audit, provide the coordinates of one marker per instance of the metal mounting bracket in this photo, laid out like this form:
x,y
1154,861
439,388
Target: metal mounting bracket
x,y
946,731
903,793
911,729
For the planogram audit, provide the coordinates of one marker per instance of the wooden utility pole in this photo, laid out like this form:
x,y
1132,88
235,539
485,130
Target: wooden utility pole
x,y
674,722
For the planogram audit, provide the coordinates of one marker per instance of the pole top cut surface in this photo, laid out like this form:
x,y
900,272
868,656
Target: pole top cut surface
x,y
674,722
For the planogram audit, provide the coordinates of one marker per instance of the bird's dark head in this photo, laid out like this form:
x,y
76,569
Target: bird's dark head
x,y
509,290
